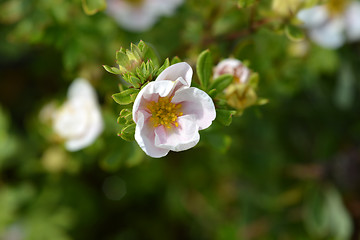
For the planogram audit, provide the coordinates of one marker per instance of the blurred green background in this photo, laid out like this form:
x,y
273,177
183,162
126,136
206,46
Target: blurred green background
x,y
285,170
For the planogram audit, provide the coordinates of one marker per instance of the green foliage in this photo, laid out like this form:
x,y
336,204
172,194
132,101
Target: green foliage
x,y
224,116
128,132
126,97
326,215
93,6
294,33
204,67
220,83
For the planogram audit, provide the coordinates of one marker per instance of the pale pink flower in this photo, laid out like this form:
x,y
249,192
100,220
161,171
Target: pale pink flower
x,y
330,26
78,121
169,113
234,67
140,15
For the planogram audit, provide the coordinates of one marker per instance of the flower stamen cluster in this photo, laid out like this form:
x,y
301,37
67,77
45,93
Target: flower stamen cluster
x,y
164,112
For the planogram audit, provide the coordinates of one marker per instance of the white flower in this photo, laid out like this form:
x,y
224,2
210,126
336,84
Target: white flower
x,y
79,120
169,113
234,67
332,25
140,15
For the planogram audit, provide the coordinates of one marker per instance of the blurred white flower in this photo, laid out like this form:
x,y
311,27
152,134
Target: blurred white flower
x,y
169,113
234,67
140,15
332,24
79,120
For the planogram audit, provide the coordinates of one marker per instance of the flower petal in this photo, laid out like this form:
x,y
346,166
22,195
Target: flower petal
x,y
92,133
330,35
228,64
80,87
178,70
132,18
197,103
152,91
352,18
313,17
179,138
145,137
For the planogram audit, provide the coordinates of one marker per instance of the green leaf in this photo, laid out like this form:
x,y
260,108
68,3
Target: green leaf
x,y
164,66
224,116
326,215
340,220
294,32
112,70
121,58
221,83
150,54
126,97
125,117
128,132
135,81
93,6
204,68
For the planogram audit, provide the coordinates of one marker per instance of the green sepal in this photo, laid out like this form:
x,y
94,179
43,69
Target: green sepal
x,y
126,97
220,83
148,53
175,59
125,117
121,57
224,116
128,132
112,70
204,68
164,66
135,81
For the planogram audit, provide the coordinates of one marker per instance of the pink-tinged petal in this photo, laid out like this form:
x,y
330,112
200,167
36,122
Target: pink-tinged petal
x,y
331,34
313,17
145,137
234,67
352,18
153,91
174,72
179,138
197,103
226,66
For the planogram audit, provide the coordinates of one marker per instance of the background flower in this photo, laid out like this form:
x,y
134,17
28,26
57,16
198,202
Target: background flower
x,y
79,120
140,15
234,67
169,113
330,26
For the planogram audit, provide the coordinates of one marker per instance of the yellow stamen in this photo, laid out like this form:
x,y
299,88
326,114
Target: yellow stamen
x,y
164,112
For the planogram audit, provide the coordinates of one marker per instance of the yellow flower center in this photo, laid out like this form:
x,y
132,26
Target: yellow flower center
x,y
164,112
336,7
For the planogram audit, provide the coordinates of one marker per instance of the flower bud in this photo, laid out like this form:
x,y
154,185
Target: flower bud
x,y
234,67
